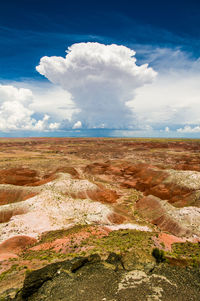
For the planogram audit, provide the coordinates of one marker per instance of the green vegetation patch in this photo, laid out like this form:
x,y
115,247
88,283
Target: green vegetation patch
x,y
14,268
187,250
45,255
122,241
53,235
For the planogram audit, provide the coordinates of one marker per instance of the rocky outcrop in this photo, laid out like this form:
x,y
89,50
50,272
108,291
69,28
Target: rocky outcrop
x,y
90,278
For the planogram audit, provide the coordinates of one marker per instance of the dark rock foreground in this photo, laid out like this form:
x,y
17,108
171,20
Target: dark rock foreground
x,y
92,279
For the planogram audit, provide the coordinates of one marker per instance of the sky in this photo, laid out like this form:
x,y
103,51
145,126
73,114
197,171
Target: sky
x,y
129,68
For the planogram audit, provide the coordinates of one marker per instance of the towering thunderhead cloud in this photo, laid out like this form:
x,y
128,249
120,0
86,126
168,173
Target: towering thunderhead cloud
x,y
101,79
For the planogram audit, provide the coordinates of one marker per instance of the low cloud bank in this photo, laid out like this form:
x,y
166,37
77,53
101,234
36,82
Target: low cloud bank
x,y
189,129
15,112
172,101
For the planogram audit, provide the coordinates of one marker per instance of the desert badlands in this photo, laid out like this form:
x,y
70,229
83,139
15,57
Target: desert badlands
x,y
105,219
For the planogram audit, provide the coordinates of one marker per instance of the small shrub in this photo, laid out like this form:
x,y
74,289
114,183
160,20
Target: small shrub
x,y
159,255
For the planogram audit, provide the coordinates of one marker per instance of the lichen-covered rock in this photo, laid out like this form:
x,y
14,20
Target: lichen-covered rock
x,y
95,280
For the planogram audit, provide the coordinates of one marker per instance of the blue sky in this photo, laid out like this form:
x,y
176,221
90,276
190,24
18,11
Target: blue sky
x,y
31,29
164,34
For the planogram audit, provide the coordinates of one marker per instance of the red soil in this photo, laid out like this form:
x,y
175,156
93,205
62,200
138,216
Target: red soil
x,y
29,177
15,245
6,215
8,196
116,218
66,244
101,195
7,256
145,178
68,169
18,176
151,209
168,240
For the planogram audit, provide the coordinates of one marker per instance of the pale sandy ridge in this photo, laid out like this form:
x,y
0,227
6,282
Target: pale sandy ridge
x,y
52,209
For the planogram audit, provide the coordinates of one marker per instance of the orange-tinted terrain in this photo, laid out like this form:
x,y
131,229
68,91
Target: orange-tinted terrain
x,y
59,197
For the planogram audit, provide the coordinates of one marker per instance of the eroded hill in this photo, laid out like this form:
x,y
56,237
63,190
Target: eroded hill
x,y
61,198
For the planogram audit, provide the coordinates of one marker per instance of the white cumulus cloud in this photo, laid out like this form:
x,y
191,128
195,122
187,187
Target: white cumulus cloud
x,y
101,79
77,125
101,86
173,99
15,112
189,129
